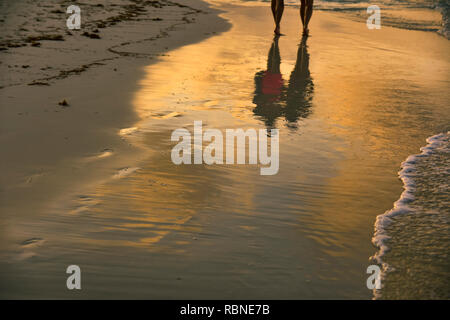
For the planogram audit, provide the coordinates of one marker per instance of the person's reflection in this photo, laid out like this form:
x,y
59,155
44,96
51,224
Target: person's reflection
x,y
269,87
274,99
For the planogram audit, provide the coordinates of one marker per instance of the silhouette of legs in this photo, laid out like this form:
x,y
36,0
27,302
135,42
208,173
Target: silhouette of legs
x,y
300,89
306,10
269,88
277,11
274,99
274,59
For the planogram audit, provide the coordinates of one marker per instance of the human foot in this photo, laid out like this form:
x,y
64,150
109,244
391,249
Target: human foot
x,y
305,32
277,31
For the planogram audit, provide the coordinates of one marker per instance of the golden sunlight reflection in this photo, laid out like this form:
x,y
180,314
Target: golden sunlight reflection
x,y
349,112
336,109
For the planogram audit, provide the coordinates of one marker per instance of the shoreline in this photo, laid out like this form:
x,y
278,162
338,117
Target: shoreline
x,y
101,36
409,206
357,12
306,231
60,150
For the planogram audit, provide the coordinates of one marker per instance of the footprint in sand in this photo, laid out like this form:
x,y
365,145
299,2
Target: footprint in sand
x,y
84,203
32,242
105,153
152,182
27,246
28,181
173,114
125,172
128,131
211,103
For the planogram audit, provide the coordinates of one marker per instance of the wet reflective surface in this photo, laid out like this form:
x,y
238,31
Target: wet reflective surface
x,y
274,99
349,109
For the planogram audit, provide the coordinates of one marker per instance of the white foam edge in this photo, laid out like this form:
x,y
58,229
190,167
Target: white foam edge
x,y
401,206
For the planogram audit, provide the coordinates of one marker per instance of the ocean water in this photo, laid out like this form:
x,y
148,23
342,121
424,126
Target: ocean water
x,y
414,237
426,15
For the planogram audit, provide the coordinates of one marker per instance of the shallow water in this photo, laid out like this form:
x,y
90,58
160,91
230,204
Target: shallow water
x,y
349,109
414,237
425,15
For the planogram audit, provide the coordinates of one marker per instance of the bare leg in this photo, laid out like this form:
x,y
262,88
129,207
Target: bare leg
x,y
302,11
277,11
306,11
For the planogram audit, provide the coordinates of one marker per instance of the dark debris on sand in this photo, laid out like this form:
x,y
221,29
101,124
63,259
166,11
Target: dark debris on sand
x,y
25,31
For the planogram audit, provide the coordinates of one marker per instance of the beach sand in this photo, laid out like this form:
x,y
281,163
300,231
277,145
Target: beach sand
x,y
92,183
50,148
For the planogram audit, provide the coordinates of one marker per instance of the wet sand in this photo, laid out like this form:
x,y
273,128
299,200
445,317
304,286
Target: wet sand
x,y
52,150
352,105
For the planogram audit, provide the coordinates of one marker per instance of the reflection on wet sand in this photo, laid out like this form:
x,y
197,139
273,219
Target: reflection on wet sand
x,y
218,231
273,98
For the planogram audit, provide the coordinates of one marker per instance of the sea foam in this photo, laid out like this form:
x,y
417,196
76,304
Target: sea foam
x,y
409,176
